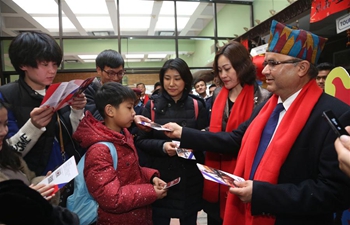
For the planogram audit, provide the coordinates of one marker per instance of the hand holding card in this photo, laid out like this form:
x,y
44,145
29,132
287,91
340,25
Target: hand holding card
x,y
154,126
172,183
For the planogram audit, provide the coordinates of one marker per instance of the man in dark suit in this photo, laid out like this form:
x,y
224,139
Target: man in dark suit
x,y
296,179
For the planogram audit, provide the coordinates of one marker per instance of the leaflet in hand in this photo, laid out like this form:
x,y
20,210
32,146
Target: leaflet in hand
x,y
183,152
172,183
58,94
218,176
154,125
62,175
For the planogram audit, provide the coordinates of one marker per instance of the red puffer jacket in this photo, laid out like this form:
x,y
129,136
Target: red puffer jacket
x,y
124,195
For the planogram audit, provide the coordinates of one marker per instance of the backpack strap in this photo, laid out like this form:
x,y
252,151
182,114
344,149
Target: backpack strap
x,y
113,151
195,103
152,111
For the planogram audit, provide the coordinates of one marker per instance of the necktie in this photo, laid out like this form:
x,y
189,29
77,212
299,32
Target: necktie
x,y
266,137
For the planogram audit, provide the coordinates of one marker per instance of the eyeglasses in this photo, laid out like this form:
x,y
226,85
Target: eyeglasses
x,y
273,63
113,74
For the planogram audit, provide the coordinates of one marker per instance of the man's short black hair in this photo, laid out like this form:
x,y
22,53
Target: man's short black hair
x,y
112,93
325,66
197,81
110,58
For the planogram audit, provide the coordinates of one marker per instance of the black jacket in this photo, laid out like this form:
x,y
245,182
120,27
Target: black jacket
x,y
90,97
23,99
185,198
310,185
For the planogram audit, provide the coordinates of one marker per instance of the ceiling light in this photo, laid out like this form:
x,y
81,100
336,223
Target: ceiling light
x,y
89,60
134,56
258,21
157,56
100,33
153,60
166,33
87,57
273,12
132,60
246,28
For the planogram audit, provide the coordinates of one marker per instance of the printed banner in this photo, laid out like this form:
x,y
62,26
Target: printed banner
x,y
320,9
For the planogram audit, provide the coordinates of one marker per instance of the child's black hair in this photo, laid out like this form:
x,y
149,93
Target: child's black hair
x,y
112,93
29,48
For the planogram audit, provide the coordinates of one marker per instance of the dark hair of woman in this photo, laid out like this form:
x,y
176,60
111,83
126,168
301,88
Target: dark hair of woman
x,y
240,60
180,66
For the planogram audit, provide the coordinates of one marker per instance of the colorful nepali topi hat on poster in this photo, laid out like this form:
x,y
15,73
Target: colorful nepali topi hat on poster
x,y
297,43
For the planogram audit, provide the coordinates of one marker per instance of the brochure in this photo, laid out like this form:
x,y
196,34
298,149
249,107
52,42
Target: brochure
x,y
154,126
58,94
183,152
62,175
218,176
172,183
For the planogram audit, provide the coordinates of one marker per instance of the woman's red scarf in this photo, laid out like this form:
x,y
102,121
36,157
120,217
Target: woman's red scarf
x,y
268,170
240,112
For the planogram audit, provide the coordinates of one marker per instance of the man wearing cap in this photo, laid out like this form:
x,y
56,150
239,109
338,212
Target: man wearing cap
x,y
295,178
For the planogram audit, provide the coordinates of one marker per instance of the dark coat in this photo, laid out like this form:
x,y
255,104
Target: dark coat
x,y
310,184
90,98
23,99
185,198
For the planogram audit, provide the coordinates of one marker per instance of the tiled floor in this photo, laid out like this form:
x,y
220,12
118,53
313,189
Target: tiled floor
x,y
201,220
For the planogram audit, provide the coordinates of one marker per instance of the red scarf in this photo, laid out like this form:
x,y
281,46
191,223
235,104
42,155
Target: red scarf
x,y
240,112
268,170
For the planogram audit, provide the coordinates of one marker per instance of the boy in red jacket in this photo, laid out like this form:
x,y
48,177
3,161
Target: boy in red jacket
x,y
124,195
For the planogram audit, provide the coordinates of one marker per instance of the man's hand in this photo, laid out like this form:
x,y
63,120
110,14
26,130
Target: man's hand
x,y
176,130
78,102
342,146
40,117
243,190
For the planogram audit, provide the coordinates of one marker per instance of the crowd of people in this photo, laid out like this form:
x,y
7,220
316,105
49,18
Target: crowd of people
x,y
295,168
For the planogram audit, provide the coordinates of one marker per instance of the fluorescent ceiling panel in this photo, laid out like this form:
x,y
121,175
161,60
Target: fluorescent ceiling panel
x,y
135,7
51,23
153,60
88,6
157,56
84,57
96,23
132,60
168,23
38,6
186,8
89,60
131,23
134,56
167,9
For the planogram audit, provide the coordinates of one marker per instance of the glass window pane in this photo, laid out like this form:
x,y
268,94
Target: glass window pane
x,y
81,53
195,19
227,17
147,53
7,66
197,52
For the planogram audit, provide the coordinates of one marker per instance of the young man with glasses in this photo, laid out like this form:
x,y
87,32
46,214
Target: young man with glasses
x,y
110,68
296,178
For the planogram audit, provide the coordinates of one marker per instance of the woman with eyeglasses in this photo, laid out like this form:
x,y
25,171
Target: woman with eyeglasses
x,y
233,103
174,103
